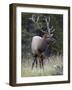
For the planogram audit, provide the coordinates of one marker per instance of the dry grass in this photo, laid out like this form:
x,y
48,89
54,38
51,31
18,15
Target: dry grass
x,y
52,66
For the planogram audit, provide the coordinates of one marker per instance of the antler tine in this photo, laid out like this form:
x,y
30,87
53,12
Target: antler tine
x,y
52,29
47,22
33,18
49,18
38,18
43,31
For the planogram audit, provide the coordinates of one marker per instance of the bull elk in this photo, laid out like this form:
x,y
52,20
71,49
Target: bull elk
x,y
39,44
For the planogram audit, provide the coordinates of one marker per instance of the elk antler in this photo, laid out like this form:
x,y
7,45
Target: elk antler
x,y
33,18
50,30
37,19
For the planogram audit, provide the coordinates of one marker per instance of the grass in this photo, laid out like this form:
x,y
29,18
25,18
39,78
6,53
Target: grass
x,y
52,66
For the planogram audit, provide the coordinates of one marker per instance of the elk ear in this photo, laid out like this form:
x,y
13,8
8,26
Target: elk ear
x,y
51,35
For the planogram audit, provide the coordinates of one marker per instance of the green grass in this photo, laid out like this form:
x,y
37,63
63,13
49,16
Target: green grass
x,y
52,66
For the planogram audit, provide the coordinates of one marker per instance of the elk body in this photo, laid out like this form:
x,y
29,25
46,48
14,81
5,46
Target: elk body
x,y
38,47
39,44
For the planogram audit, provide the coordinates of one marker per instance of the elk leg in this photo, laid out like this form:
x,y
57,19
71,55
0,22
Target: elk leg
x,y
42,62
35,60
36,63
